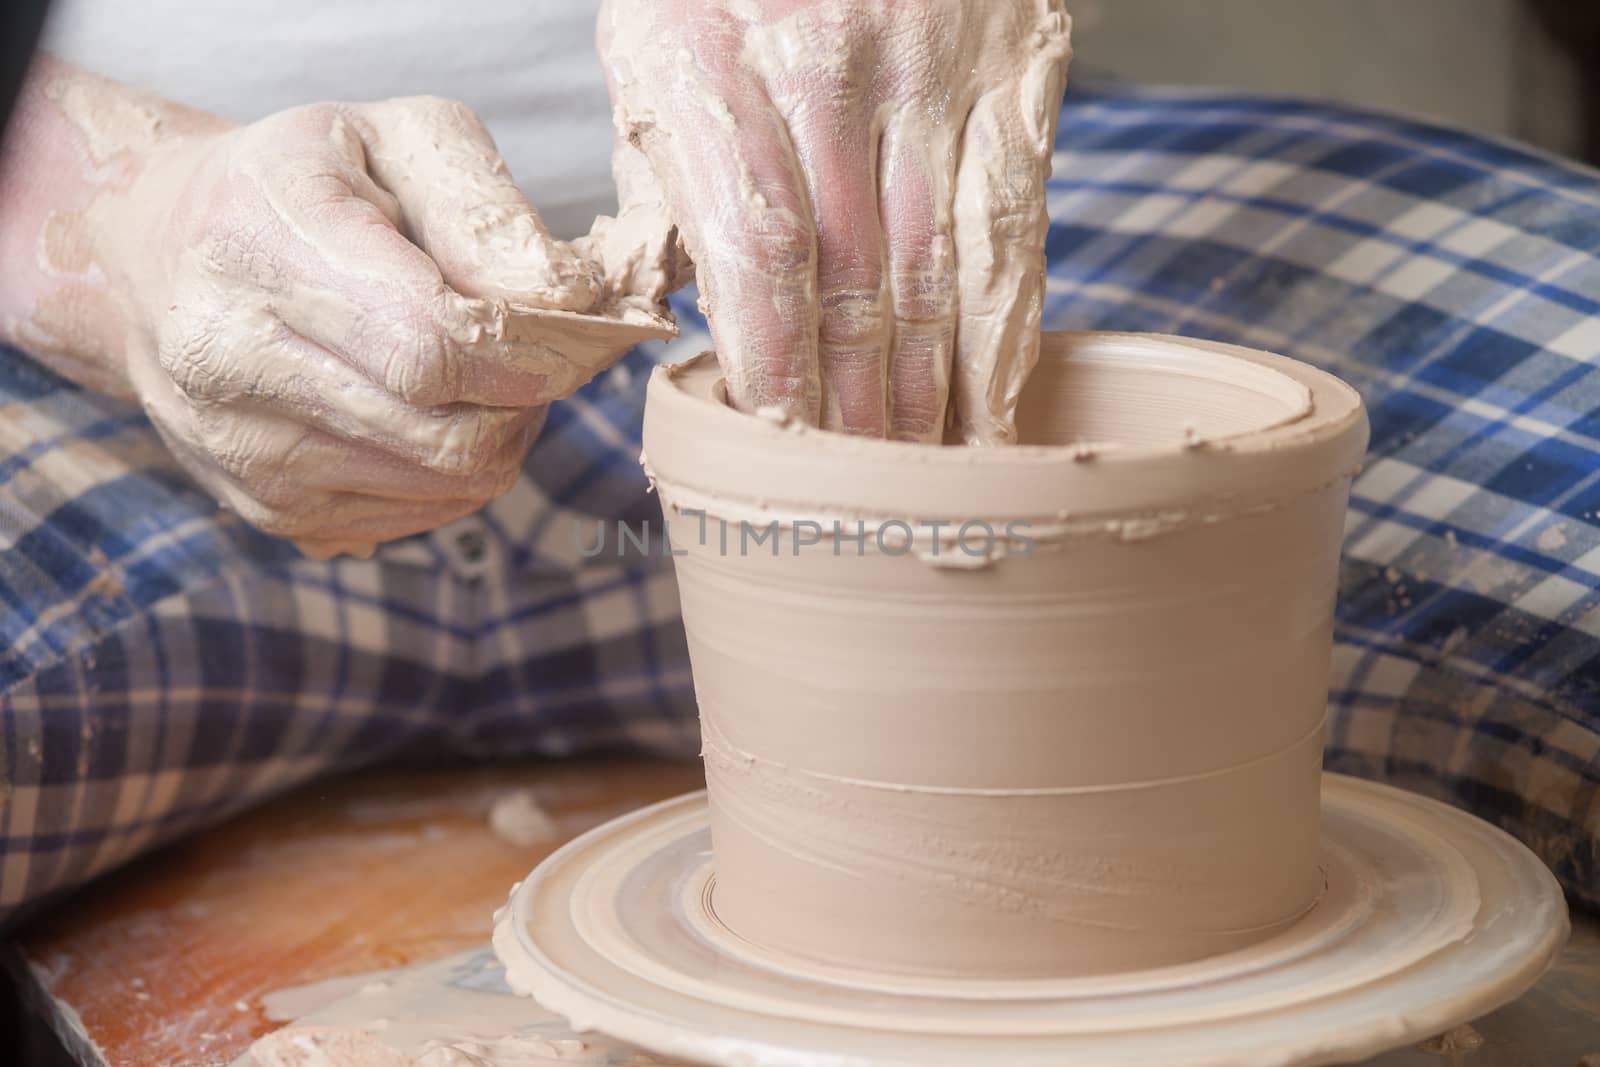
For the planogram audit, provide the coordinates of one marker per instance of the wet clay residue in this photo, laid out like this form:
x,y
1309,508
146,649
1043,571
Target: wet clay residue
x,y
1454,1043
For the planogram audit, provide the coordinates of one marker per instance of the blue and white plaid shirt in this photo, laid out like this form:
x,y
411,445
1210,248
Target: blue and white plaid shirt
x,y
163,666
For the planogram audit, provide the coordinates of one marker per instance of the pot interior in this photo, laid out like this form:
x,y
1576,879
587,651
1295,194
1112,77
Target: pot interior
x,y
1147,393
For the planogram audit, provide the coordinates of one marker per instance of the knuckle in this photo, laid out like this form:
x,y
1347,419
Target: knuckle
x,y
419,382
1016,204
413,360
925,295
241,237
460,441
778,243
193,357
190,346
852,317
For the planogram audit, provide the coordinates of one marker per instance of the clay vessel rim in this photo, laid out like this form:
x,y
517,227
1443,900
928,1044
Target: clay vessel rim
x,y
1316,405
1310,432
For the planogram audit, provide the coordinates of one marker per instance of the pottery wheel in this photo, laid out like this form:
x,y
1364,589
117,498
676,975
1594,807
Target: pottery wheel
x,y
1430,918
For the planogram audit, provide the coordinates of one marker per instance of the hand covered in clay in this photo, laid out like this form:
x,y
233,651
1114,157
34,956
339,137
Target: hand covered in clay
x,y
861,185
345,320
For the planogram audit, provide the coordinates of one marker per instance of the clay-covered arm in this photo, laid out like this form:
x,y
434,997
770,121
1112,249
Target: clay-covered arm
x,y
74,139
344,319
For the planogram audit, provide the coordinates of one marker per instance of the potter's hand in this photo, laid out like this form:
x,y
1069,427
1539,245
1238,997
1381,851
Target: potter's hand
x,y
861,185
344,320
326,377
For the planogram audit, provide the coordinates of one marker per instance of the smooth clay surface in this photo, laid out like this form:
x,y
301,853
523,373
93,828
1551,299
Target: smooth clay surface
x,y
1083,737
1430,918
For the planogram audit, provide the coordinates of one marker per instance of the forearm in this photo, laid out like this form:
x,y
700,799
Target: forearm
x,y
73,156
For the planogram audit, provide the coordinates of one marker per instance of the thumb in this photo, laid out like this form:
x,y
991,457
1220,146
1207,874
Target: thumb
x,y
459,203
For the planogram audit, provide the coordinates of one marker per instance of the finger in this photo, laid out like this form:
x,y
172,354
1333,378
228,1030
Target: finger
x,y
329,261
316,514
285,375
1000,224
837,152
459,203
284,465
283,460
289,507
917,178
539,357
724,155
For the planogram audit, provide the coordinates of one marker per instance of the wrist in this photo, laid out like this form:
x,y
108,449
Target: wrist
x,y
76,237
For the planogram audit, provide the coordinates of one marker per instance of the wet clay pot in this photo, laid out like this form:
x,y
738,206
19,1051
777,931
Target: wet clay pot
x,y
1047,710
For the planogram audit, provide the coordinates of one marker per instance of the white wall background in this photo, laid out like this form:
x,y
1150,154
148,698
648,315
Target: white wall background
x,y
1483,64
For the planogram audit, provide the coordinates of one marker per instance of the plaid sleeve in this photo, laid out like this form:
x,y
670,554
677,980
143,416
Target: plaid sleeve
x,y
164,666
